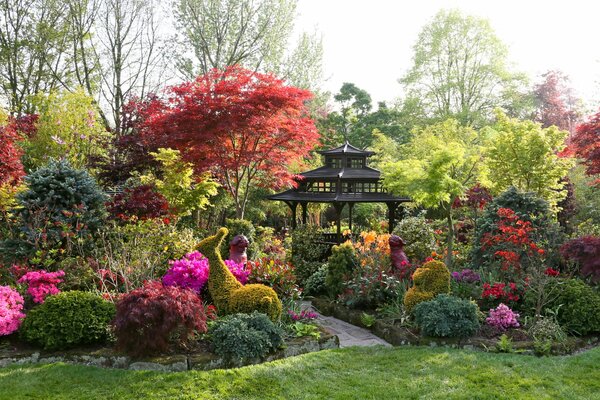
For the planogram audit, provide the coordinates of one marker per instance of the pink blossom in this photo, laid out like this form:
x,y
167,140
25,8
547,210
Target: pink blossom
x,y
11,304
42,284
502,317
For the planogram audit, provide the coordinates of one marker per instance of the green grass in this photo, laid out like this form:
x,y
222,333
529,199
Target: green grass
x,y
356,373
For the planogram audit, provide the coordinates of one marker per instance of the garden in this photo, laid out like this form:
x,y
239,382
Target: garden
x,y
142,254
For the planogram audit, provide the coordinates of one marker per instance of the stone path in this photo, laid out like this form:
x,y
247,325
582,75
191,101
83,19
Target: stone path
x,y
348,334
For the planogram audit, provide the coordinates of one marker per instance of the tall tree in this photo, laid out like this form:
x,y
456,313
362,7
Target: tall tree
x,y
459,69
31,32
442,162
556,103
525,155
246,127
585,145
251,33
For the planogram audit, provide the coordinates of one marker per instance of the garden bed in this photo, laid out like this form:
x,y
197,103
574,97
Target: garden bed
x,y
402,336
200,359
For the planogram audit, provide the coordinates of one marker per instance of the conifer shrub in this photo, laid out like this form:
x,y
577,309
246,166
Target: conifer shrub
x,y
151,318
447,316
431,279
68,319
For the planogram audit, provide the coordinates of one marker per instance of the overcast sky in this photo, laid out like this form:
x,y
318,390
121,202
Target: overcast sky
x,y
369,42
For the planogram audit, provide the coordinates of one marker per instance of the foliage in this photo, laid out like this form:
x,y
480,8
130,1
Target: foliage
x,y
11,305
11,168
527,207
555,102
586,252
429,280
466,284
504,344
502,318
245,336
341,264
419,237
524,155
545,331
62,206
460,69
302,329
184,191
585,144
307,254
370,287
447,316
367,320
579,304
69,126
237,123
276,274
148,319
442,161
68,319
316,283
227,293
139,203
41,284
136,252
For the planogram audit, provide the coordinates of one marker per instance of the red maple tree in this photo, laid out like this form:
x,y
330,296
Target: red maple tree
x,y
15,130
585,144
245,127
556,102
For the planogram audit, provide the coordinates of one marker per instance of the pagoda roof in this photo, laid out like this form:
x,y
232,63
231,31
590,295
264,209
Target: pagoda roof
x,y
342,173
316,197
346,149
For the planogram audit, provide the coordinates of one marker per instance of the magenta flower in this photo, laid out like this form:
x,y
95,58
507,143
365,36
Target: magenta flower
x,y
42,284
503,318
11,304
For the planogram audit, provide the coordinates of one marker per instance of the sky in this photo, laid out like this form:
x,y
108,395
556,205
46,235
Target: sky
x,y
369,42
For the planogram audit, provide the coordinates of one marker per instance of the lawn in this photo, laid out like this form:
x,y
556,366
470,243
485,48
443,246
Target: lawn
x,y
353,373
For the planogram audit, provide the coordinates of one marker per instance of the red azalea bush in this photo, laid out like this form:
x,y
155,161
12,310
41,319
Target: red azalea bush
x,y
152,317
141,202
498,292
586,252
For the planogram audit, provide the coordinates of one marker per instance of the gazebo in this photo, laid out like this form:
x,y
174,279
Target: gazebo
x,y
345,179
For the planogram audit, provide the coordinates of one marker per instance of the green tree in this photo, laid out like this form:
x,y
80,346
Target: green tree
x,y
459,70
69,126
442,162
525,155
184,192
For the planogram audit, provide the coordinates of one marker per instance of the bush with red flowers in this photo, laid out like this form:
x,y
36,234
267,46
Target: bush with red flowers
x,y
151,318
141,202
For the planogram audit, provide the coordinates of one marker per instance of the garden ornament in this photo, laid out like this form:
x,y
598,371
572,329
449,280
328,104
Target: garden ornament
x,y
237,249
399,258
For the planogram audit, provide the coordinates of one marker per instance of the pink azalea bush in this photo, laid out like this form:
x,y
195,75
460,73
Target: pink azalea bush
x,y
191,272
503,318
42,284
11,304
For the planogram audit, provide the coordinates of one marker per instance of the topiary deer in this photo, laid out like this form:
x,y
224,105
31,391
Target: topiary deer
x,y
431,279
228,294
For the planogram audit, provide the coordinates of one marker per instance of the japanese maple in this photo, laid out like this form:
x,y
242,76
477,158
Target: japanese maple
x,y
585,144
15,130
245,127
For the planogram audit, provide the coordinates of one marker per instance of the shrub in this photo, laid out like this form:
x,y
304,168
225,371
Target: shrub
x,y
11,305
61,207
341,263
256,297
429,280
447,316
370,288
545,329
240,337
41,284
578,306
502,318
141,202
150,318
315,285
68,319
546,233
586,252
276,274
419,237
307,253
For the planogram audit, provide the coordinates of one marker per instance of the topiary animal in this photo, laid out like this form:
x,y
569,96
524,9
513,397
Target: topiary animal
x,y
227,293
431,279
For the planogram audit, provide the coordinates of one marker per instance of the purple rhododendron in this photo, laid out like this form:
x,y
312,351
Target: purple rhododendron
x,y
503,318
191,272
466,276
11,304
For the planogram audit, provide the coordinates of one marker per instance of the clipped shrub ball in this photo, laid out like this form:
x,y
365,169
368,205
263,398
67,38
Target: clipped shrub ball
x,y
341,264
240,337
431,279
578,306
68,319
447,316
154,316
